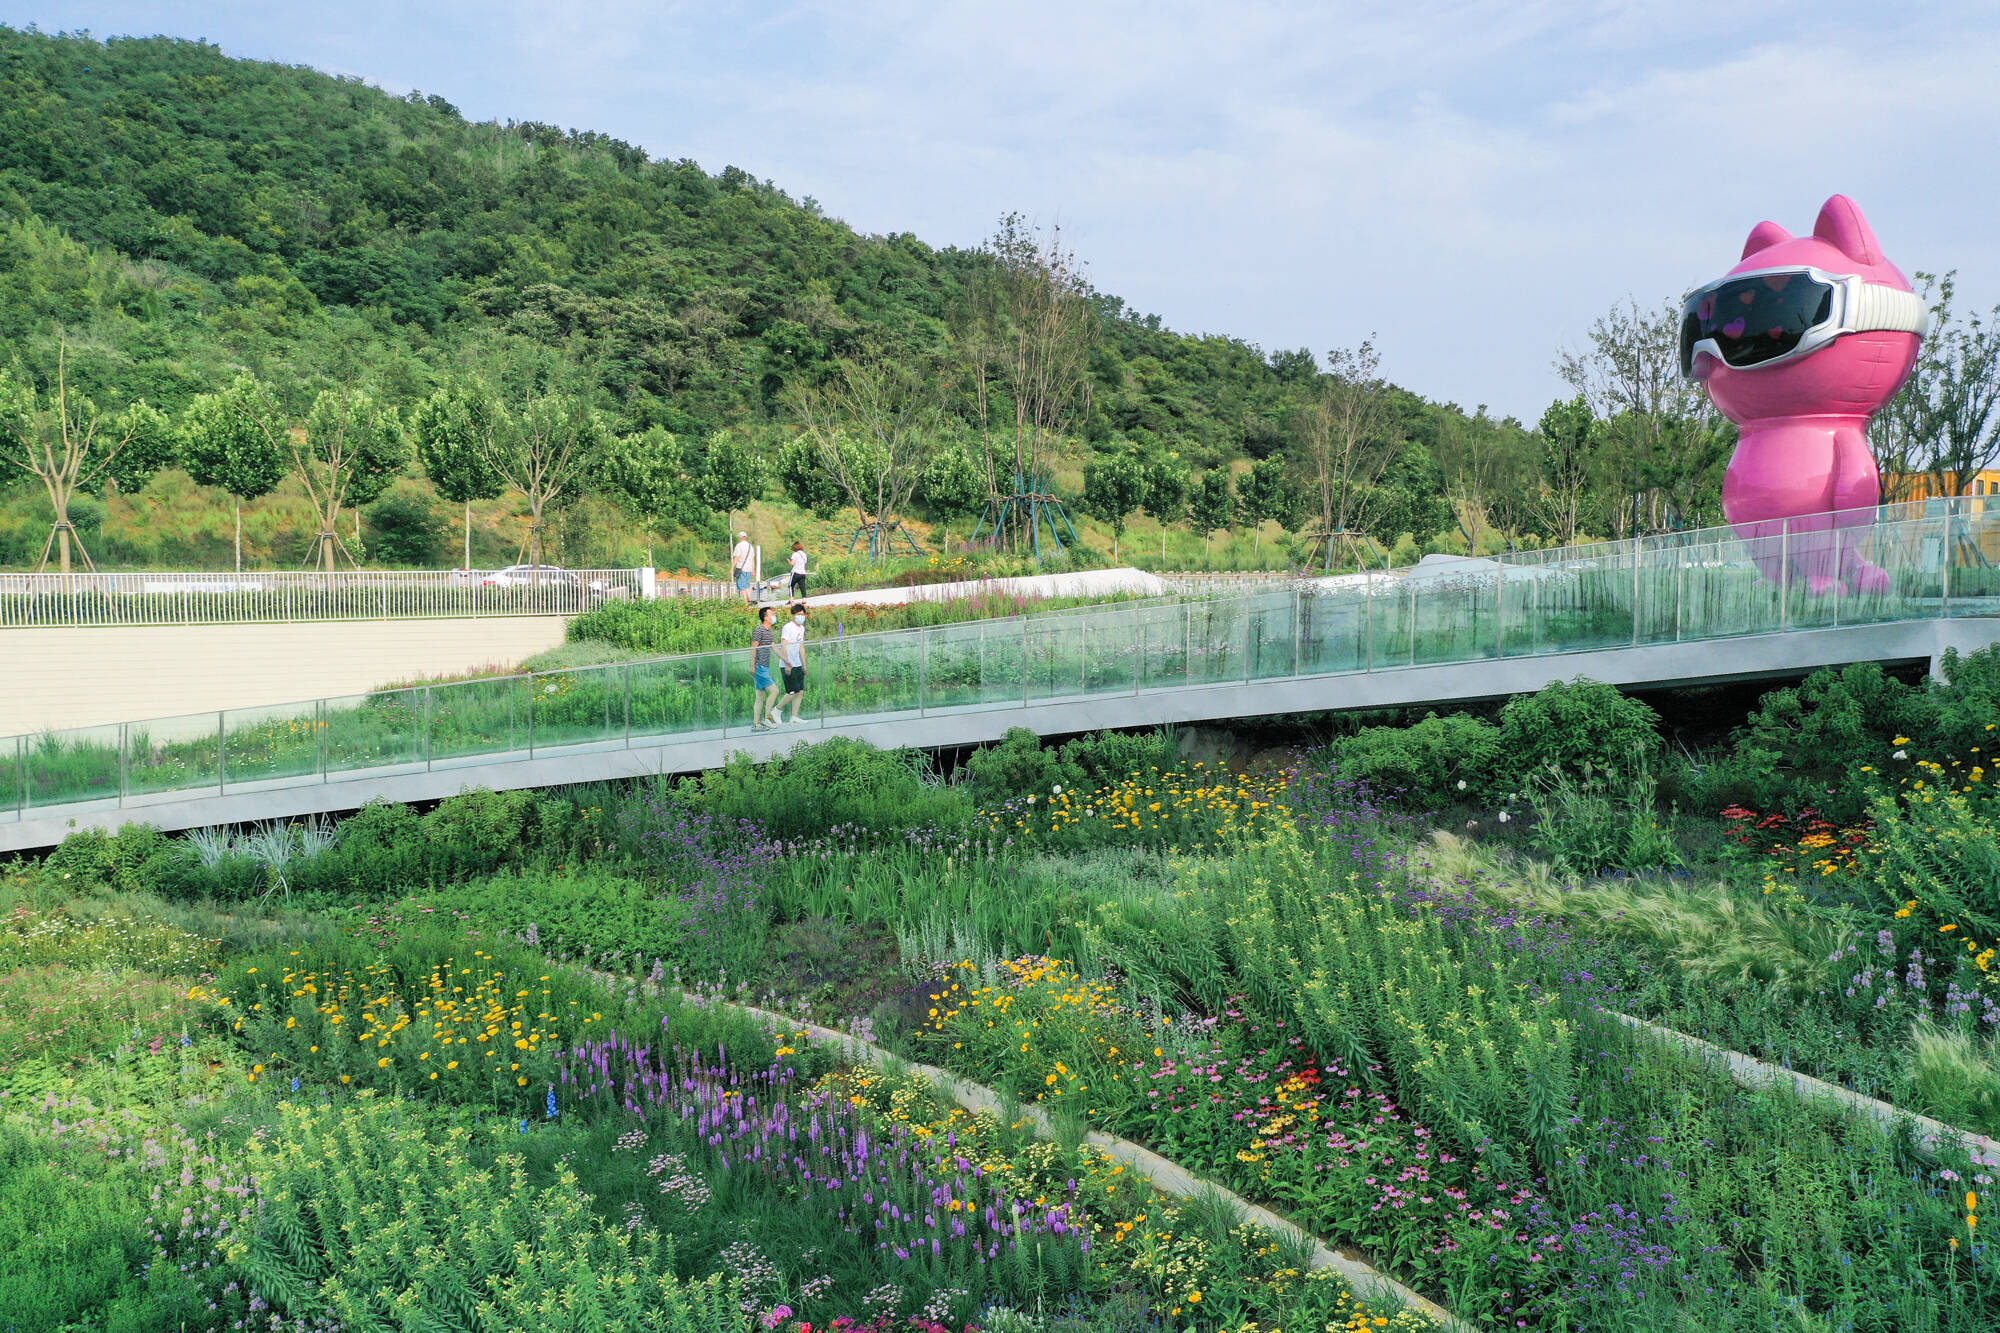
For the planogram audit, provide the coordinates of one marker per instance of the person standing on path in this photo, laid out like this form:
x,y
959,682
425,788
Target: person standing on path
x,y
792,659
743,563
798,569
764,699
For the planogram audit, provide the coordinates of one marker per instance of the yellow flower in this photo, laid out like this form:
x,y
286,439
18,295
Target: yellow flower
x,y
383,1063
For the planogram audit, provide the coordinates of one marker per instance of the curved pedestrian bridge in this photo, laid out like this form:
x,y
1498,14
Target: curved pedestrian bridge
x,y
1680,609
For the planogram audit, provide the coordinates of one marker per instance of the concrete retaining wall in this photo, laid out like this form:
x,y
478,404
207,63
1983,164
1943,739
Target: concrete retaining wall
x,y
83,677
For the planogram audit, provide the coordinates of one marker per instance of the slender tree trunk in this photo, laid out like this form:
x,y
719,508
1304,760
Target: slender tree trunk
x,y
468,535
62,540
239,536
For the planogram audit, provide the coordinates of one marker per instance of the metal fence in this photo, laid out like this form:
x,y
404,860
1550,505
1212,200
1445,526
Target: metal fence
x,y
1921,562
185,598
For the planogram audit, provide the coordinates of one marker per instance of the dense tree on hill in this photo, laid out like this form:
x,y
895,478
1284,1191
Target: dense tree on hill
x,y
1114,488
230,439
1212,504
184,218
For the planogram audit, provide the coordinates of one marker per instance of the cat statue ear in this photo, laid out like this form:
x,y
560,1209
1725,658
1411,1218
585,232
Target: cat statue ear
x,y
1841,225
1763,236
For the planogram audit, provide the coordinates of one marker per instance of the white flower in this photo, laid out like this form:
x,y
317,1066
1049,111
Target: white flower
x,y
1472,823
549,688
1058,789
1461,784
1504,816
1902,754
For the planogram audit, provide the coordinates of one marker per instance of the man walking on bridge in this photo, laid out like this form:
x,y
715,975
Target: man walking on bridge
x,y
792,659
743,563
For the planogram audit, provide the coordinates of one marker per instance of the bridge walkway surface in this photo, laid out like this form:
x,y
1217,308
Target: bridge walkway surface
x,y
1655,612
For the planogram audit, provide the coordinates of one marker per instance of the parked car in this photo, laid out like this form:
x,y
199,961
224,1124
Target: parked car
x,y
532,576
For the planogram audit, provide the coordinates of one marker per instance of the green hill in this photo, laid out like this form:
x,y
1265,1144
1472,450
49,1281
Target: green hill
x,y
177,217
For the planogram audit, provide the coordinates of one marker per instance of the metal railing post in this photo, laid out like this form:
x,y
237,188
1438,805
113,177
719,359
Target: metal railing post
x,y
531,715
1499,609
1784,574
1635,594
1083,655
1944,567
1680,584
221,757
320,727
1413,618
1368,620
1298,632
628,705
427,728
124,760
1187,643
923,670
1027,671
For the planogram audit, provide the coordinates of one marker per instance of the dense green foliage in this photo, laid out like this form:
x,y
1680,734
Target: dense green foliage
x,y
183,218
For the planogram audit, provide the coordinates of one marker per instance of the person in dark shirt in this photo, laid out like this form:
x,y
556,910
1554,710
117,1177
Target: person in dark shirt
x,y
763,703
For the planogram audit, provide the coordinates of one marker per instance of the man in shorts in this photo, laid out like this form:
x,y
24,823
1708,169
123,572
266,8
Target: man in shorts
x,y
764,702
743,563
792,659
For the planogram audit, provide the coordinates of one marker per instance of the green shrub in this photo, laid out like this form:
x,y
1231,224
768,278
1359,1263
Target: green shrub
x,y
380,849
1805,744
475,833
1103,757
592,913
1421,766
123,862
1018,764
480,1247
1574,724
837,782
71,1252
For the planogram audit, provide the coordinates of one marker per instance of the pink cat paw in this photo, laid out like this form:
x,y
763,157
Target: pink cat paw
x,y
1870,579
1824,585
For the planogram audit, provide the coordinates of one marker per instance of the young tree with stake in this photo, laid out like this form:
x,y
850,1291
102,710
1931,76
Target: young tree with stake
x,y
64,442
1112,489
352,447
1213,504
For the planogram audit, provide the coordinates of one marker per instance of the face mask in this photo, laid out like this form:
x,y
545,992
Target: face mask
x,y
798,620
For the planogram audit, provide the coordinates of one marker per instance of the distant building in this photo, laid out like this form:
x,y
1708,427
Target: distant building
x,y
1922,486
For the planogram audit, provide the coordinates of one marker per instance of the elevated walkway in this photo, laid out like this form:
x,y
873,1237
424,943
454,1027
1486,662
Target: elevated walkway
x,y
1689,608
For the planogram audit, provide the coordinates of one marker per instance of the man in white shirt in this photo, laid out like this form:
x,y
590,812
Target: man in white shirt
x,y
792,660
743,563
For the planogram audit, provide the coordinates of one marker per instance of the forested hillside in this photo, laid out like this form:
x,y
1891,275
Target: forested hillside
x,y
172,220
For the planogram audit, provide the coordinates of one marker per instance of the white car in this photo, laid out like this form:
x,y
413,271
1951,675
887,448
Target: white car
x,y
531,576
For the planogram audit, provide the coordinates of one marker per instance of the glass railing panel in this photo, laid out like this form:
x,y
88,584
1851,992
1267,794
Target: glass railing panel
x,y
1656,614
475,718
1724,588
13,776
1813,593
271,744
1273,636
977,664
1163,647
385,729
173,753
1923,546
739,687
581,706
1975,565
80,764
865,678
1334,631
1111,647
1055,657
1219,642
1456,613
676,696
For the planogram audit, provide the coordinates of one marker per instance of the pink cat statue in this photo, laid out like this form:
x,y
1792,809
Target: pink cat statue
x,y
1799,345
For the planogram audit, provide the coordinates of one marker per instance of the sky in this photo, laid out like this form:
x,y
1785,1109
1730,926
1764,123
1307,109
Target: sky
x,y
1469,183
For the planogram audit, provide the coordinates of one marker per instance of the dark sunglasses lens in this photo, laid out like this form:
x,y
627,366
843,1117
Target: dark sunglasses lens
x,y
1756,319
